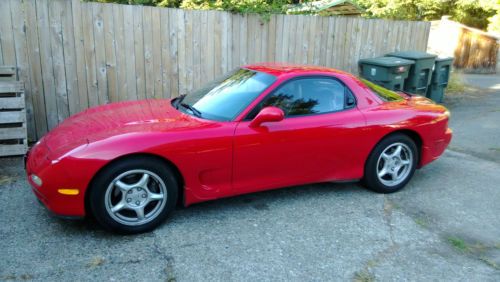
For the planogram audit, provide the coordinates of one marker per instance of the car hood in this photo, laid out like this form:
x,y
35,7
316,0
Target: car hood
x,y
115,119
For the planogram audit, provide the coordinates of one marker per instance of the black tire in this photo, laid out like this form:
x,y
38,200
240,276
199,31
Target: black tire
x,y
371,179
102,182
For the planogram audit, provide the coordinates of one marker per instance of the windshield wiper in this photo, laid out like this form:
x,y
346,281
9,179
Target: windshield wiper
x,y
178,101
192,109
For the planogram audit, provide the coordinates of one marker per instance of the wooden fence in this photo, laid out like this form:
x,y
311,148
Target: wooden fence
x,y
474,50
73,55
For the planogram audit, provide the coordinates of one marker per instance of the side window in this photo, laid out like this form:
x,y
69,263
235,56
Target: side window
x,y
307,96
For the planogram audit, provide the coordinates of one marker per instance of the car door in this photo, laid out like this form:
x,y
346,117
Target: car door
x,y
315,142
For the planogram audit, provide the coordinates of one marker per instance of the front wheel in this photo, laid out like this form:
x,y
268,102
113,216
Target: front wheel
x,y
133,195
391,164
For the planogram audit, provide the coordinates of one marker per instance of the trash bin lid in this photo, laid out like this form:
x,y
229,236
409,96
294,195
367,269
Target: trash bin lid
x,y
412,55
386,61
444,59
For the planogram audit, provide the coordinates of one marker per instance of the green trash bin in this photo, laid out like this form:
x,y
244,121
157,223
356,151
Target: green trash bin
x,y
440,78
388,72
420,73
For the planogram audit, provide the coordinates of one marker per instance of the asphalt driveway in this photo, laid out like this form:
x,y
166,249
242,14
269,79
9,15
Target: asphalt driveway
x,y
445,225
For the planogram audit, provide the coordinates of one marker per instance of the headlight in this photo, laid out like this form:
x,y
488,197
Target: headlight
x,y
37,180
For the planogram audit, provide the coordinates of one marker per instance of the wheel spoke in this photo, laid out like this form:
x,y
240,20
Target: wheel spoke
x,y
405,162
397,152
123,186
143,182
155,196
140,212
394,174
385,156
118,207
382,172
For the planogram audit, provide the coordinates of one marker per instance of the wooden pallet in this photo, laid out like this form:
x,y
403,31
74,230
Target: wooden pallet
x,y
8,73
13,134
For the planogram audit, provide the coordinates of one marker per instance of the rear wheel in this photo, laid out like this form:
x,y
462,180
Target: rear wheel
x,y
391,164
133,195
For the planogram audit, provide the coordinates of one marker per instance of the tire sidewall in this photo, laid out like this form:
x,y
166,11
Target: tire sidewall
x,y
371,178
102,180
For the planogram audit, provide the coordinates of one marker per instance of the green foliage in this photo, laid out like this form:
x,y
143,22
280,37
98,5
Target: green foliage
x,y
473,13
494,21
237,6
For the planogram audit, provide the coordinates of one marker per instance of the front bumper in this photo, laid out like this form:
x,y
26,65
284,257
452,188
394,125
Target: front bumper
x,y
54,176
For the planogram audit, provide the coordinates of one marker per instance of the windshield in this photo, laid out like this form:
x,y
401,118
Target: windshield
x,y
384,93
224,98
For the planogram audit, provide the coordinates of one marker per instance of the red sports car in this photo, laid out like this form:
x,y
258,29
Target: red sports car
x,y
259,127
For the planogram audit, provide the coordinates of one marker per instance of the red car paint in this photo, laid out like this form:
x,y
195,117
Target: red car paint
x,y
220,159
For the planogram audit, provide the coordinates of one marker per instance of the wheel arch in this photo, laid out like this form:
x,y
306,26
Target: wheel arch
x,y
415,136
161,159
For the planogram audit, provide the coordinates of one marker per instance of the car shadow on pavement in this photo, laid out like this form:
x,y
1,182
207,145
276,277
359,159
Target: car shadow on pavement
x,y
254,202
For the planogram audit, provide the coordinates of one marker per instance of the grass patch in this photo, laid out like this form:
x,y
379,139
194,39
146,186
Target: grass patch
x,y
455,84
95,262
458,244
363,276
490,262
5,179
421,222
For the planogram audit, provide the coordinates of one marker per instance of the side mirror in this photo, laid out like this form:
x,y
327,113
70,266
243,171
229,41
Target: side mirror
x,y
267,114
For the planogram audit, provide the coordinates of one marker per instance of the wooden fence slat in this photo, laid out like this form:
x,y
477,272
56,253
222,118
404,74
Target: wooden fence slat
x,y
173,62
121,59
181,45
70,60
235,38
35,70
279,38
129,53
100,54
81,73
196,55
226,30
109,51
57,53
292,25
271,40
156,55
206,59
330,32
46,59
6,35
217,44
139,52
316,38
165,37
188,55
243,34
149,78
89,53
298,44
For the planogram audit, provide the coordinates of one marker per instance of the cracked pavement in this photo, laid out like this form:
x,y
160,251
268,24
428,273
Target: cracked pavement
x,y
445,225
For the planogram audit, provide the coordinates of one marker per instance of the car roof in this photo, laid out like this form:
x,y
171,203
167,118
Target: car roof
x,y
278,69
